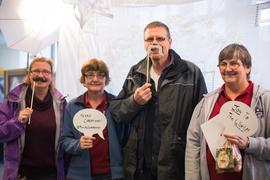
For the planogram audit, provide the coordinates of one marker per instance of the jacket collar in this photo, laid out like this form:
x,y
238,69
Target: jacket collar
x,y
18,94
177,63
258,92
80,99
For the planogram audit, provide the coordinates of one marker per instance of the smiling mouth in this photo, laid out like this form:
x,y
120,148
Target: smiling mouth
x,y
95,84
229,74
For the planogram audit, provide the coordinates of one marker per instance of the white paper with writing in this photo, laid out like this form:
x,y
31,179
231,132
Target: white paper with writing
x,y
234,117
89,122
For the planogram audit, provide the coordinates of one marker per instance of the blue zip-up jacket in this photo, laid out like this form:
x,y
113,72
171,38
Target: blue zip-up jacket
x,y
79,165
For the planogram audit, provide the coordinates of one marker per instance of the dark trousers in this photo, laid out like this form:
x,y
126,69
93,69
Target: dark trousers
x,y
145,175
102,177
45,177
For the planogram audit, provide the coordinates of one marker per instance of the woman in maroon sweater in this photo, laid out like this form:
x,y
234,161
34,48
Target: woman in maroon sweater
x,y
30,121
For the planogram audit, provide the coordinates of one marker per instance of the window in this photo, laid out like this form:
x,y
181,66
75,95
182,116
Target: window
x,y
263,13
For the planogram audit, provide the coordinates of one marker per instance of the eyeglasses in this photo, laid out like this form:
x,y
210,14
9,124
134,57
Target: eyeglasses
x,y
43,72
233,64
91,75
158,39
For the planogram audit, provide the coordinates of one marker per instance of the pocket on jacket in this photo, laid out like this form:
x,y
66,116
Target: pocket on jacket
x,y
178,148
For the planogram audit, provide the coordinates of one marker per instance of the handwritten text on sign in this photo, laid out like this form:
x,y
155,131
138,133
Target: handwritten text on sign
x,y
238,118
234,117
89,122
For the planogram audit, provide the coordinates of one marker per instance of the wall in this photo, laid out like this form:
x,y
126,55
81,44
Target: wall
x,y
199,31
11,59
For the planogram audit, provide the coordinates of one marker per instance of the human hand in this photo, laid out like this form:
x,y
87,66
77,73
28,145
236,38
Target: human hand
x,y
25,114
242,143
143,94
86,142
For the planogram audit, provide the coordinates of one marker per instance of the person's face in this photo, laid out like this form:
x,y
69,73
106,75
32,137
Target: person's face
x,y
233,71
95,81
41,74
157,36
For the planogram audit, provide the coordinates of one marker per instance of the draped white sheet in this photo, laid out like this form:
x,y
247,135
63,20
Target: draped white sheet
x,y
199,30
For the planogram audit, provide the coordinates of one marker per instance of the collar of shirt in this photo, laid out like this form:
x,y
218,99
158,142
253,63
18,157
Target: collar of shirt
x,y
101,107
248,91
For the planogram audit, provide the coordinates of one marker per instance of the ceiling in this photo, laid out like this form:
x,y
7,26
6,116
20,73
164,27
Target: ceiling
x,y
154,2
138,2
124,2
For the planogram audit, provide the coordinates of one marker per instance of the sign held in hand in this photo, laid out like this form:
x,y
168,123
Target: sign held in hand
x,y
238,118
90,121
234,117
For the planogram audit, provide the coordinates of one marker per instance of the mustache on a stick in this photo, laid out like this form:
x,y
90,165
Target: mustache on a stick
x,y
154,48
40,79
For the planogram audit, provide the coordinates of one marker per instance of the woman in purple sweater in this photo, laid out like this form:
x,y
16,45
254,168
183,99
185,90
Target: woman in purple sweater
x,y
30,126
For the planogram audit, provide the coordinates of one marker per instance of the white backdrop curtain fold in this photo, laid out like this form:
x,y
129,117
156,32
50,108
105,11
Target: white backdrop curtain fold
x,y
200,29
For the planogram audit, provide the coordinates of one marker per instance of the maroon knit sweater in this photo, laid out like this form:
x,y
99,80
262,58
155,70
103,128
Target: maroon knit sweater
x,y
38,158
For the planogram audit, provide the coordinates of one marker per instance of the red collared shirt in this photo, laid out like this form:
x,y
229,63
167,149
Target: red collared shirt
x,y
99,153
244,97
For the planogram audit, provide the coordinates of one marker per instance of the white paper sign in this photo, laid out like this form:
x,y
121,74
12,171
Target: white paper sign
x,y
234,117
238,118
212,131
89,122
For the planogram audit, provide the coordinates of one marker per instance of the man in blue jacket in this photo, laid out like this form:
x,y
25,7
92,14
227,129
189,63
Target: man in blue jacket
x,y
159,110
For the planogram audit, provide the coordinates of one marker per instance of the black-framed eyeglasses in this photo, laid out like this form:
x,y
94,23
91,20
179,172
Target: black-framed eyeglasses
x,y
92,74
38,72
158,39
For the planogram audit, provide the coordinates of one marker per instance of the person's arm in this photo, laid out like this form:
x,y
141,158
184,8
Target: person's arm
x,y
69,143
10,126
200,88
124,108
122,131
259,147
193,147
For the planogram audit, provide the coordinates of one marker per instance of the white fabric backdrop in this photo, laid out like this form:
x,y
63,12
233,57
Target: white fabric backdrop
x,y
199,31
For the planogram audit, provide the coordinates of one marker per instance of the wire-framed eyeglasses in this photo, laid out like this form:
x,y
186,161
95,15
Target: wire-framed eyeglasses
x,y
38,72
158,39
93,74
232,64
